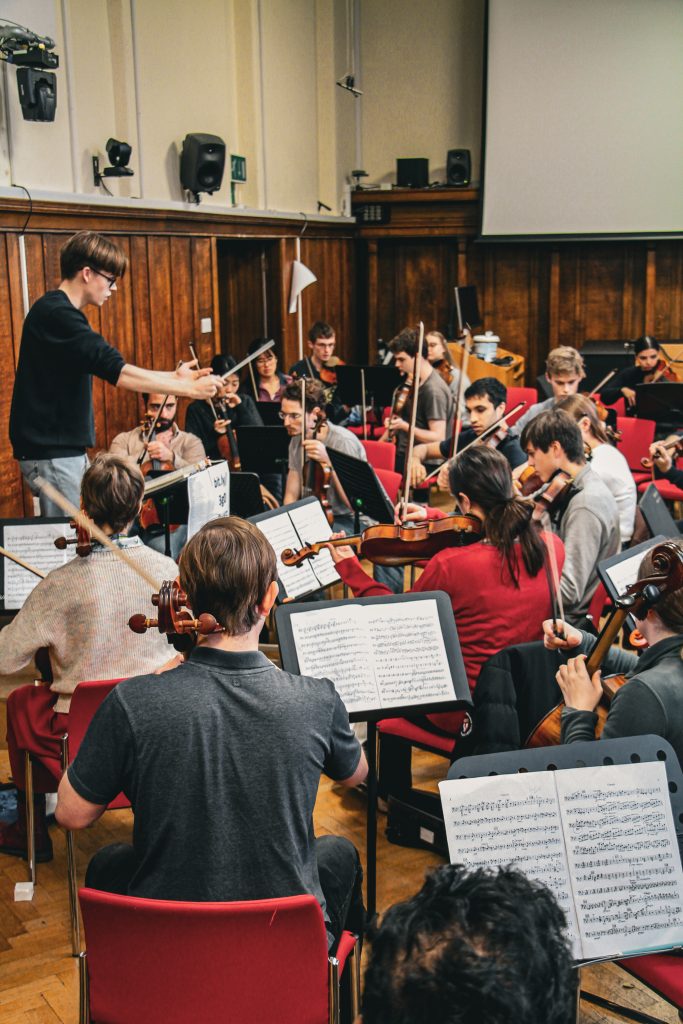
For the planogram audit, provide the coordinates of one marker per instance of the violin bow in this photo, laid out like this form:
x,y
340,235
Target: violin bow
x,y
196,359
555,591
249,359
413,416
598,387
86,522
150,432
457,420
485,434
303,433
24,565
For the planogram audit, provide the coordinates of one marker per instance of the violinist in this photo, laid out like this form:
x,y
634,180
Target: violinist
x,y
268,382
213,420
605,460
663,453
485,401
498,588
651,701
648,360
51,421
564,371
435,404
321,342
441,359
79,612
584,515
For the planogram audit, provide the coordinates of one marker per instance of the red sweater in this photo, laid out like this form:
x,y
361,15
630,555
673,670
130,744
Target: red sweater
x,y
490,612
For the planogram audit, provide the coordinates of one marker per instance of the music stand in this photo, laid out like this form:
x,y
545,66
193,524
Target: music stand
x,y
657,517
269,413
263,449
380,384
362,488
245,495
172,504
661,402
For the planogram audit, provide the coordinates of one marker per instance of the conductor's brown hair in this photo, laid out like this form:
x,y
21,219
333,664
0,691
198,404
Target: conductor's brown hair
x,y
88,249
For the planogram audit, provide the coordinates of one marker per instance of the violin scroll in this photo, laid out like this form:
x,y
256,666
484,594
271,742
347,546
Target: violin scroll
x,y
175,618
82,540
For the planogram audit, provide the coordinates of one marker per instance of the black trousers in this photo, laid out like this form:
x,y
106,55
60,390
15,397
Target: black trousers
x,y
339,869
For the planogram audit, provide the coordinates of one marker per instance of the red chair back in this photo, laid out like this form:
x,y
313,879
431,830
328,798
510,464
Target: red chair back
x,y
636,438
516,395
619,406
390,481
170,962
85,701
598,602
381,454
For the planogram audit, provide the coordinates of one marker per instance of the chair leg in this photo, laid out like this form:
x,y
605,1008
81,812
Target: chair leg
x,y
83,993
333,989
353,981
72,877
30,819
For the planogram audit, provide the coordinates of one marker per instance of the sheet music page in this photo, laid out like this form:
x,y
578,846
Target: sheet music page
x,y
623,857
208,493
415,671
311,524
36,545
624,573
511,819
296,579
334,643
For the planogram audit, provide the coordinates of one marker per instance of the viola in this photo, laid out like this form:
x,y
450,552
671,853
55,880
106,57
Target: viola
x,y
666,578
400,545
175,619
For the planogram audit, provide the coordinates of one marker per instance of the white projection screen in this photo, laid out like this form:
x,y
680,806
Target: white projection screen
x,y
584,118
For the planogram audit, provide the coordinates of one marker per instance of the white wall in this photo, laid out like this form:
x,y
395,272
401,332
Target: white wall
x,y
260,74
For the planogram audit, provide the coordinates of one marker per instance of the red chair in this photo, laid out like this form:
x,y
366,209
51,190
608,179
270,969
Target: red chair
x,y
636,438
598,602
619,406
171,962
381,454
516,395
668,491
390,481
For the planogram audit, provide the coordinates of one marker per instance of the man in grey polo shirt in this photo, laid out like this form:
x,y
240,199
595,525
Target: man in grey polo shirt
x,y
221,757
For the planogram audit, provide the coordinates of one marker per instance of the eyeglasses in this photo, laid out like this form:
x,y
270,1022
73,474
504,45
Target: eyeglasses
x,y
267,358
111,281
289,415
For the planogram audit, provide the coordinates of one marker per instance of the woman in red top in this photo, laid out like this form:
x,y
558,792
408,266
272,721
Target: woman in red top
x,y
498,588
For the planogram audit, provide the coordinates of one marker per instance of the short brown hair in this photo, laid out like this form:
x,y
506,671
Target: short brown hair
x,y
226,569
407,341
111,491
320,330
315,393
563,360
88,249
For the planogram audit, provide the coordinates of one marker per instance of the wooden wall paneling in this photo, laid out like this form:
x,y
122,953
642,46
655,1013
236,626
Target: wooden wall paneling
x,y
650,288
288,330
372,300
121,407
35,267
11,486
554,300
593,280
331,298
203,269
668,297
240,290
52,245
161,303
182,297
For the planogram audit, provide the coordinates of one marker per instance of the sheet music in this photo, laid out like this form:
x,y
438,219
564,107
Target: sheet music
x,y
311,524
416,672
623,857
511,819
296,579
36,545
334,643
208,493
624,573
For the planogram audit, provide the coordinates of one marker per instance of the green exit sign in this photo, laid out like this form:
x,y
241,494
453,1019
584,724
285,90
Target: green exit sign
x,y
238,168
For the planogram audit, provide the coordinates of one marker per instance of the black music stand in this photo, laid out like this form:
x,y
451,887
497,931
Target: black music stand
x,y
380,384
662,402
263,450
172,504
362,488
269,413
245,495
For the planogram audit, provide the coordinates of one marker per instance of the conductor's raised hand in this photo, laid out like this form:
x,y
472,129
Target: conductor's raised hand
x,y
204,383
579,691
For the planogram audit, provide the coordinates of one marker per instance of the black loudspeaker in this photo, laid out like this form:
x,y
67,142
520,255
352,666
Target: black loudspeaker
x,y
202,163
458,167
412,173
37,94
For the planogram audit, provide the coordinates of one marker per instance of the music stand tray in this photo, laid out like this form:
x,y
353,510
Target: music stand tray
x,y
263,449
662,402
362,487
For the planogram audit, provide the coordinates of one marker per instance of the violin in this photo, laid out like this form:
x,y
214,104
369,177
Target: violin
x,y
400,545
328,374
663,370
400,399
220,407
445,371
82,540
675,446
320,474
553,495
175,619
638,598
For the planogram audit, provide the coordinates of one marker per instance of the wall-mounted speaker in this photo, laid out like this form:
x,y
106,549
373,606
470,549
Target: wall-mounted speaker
x,y
202,163
458,167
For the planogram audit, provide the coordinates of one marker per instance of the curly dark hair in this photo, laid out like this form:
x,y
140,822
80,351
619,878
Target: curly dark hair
x,y
472,947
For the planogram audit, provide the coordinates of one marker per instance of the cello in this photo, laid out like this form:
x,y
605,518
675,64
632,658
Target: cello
x,y
638,598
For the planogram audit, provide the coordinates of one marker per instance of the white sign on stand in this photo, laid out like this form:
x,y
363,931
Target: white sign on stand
x,y
208,495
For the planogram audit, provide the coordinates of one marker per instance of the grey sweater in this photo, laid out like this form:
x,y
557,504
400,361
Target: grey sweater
x,y
650,702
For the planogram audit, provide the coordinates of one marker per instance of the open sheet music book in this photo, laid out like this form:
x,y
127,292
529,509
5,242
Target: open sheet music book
x,y
33,540
602,839
299,524
383,654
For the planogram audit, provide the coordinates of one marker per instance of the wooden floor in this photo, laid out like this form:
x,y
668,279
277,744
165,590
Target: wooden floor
x,y
38,976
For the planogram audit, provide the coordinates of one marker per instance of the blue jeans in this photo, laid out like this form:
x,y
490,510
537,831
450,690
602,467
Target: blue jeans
x,y
64,474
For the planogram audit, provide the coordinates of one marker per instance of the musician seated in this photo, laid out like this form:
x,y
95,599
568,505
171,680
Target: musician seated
x,y
231,409
472,944
321,341
435,405
79,612
439,355
167,449
651,700
268,382
240,746
485,401
605,459
564,371
646,355
663,453
498,588
584,515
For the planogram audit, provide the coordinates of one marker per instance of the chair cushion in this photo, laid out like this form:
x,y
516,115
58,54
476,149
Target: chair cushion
x,y
667,490
662,972
406,730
